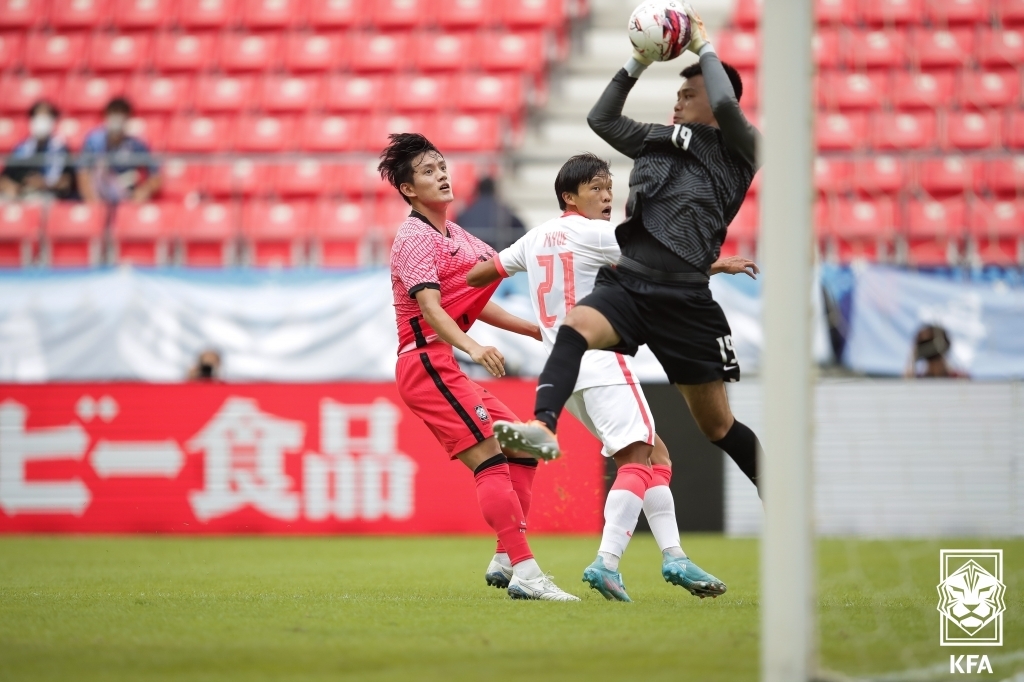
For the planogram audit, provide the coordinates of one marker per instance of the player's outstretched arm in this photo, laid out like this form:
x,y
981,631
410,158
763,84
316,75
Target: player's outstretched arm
x,y
482,274
496,316
441,322
734,265
606,119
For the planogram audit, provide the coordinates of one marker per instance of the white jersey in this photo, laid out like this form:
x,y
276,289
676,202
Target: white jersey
x,y
561,258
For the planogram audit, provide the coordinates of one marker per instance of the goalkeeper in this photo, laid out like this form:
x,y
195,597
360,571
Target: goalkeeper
x,y
689,180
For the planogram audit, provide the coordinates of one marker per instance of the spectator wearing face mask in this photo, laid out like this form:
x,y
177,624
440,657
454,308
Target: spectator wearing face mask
x,y
38,166
116,166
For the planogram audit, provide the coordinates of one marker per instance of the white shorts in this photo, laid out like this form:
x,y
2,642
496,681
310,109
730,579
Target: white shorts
x,y
617,415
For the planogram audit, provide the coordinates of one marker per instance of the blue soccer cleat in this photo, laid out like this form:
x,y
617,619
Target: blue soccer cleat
x,y
691,577
605,581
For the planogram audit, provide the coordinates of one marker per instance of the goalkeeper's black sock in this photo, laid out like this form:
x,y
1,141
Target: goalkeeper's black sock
x,y
558,379
742,445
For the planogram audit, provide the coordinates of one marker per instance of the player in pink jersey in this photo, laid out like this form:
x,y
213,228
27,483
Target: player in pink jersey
x,y
435,308
561,258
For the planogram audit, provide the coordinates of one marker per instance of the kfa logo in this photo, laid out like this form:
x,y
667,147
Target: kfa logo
x,y
971,592
969,664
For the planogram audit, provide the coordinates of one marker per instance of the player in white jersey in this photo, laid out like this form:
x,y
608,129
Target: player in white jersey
x,y
561,258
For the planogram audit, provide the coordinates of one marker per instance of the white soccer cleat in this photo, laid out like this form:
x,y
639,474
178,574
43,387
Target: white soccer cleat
x,y
532,438
498,574
538,588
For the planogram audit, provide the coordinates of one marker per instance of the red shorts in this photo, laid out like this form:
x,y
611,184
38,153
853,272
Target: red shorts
x,y
458,411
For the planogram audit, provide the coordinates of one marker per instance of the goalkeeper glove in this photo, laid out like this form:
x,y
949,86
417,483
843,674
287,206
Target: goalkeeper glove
x,y
698,34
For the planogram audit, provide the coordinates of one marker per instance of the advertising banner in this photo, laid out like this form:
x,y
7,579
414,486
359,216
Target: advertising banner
x,y
253,458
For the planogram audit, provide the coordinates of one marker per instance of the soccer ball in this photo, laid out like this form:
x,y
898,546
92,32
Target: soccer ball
x,y
660,29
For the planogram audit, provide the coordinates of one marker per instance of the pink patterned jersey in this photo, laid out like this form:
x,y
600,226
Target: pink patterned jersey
x,y
421,258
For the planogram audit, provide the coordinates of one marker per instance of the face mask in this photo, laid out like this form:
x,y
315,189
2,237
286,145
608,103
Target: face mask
x,y
41,126
115,124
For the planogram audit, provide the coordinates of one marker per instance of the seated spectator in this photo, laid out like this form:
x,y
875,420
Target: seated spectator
x,y
207,367
489,220
38,166
930,348
116,166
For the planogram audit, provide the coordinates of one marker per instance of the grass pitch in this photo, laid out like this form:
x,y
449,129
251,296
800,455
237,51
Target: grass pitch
x,y
258,608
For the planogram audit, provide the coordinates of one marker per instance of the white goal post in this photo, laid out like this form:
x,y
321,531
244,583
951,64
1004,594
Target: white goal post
x,y
788,633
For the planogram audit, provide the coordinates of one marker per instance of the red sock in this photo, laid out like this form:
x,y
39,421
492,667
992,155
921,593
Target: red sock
x,y
662,474
502,511
636,478
522,482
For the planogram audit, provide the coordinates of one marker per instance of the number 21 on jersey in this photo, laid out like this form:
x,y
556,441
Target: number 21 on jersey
x,y
547,261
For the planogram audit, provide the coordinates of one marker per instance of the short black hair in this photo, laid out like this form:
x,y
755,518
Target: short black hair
x,y
578,170
395,165
734,76
43,104
118,105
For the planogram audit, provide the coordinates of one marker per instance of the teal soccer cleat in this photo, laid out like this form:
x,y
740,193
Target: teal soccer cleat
x,y
605,581
691,577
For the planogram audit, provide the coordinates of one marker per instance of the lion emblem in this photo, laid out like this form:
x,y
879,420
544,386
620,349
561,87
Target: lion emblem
x,y
971,597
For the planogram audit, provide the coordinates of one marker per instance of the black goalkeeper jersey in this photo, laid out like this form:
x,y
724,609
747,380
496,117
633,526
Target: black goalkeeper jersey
x,y
688,181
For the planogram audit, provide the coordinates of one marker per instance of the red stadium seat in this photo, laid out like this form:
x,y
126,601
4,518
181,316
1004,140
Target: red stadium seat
x,y
444,51
1011,12
747,13
512,52
264,133
1013,137
198,134
1003,177
17,93
224,93
863,229
354,93
389,15
970,130
741,236
142,233
74,129
276,232
831,176
78,14
208,233
180,179
388,215
421,93
160,94
826,48
290,93
134,15
903,130
19,234
879,175
56,52
152,130
248,52
182,52
475,92
941,49
989,89
468,133
843,12
840,132
952,12
305,178
241,177
109,52
261,15
1000,49
740,49
332,133
934,231
74,233
884,49
11,46
997,228
946,175
339,231
464,14
335,13
379,52
362,179
892,12
21,14
381,126
90,93
463,177
532,13
847,91
13,130
312,52
207,14
921,90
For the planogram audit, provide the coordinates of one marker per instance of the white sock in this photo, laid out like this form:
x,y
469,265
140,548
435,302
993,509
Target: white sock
x,y
660,509
527,570
503,559
611,562
621,511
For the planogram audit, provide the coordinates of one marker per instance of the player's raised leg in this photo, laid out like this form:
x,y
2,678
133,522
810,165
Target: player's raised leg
x,y
709,404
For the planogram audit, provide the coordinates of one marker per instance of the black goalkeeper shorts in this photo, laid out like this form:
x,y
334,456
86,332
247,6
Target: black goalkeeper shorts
x,y
680,322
